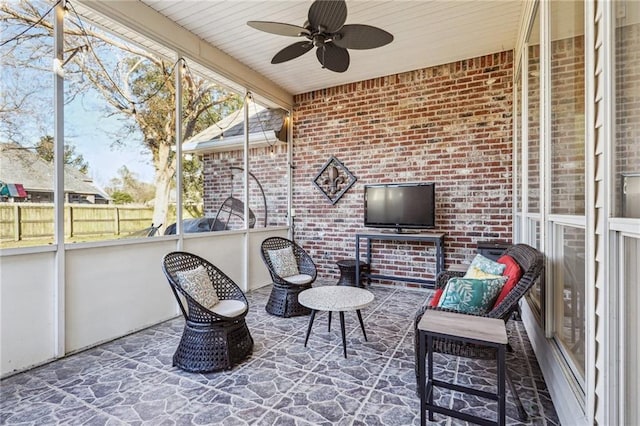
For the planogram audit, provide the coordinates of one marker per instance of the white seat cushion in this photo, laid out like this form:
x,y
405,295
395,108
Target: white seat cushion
x,y
229,308
299,279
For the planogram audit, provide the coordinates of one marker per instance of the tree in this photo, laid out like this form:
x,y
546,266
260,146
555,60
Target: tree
x,y
127,188
120,197
136,84
44,148
193,181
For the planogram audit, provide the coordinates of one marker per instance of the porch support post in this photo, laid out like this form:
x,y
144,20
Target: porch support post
x,y
178,100
58,176
248,98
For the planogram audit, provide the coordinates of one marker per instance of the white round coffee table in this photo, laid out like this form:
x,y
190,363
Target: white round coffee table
x,y
338,299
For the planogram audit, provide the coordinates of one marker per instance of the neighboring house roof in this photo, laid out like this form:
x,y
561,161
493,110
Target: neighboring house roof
x,y
265,125
23,166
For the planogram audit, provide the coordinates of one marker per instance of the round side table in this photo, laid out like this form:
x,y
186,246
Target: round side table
x,y
348,272
332,298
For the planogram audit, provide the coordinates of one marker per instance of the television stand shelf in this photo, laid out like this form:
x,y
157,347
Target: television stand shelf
x,y
434,237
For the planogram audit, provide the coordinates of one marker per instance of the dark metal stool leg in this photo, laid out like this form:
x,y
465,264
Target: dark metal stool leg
x,y
362,324
313,315
429,388
344,340
501,389
329,327
421,379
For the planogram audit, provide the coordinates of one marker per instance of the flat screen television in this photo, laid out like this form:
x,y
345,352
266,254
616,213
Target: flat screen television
x,y
400,206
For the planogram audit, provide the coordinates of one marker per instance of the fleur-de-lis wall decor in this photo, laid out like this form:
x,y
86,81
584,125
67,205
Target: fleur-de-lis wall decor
x,y
334,179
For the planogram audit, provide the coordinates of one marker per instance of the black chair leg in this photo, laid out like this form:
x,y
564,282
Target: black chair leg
x,y
522,413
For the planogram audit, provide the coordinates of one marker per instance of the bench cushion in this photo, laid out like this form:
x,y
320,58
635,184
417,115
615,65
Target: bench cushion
x,y
436,297
470,295
513,272
487,265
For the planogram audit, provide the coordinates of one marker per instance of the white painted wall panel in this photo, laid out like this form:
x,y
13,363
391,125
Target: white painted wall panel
x,y
258,274
114,290
26,310
224,250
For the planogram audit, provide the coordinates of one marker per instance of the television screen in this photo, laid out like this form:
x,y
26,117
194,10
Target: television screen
x,y
400,206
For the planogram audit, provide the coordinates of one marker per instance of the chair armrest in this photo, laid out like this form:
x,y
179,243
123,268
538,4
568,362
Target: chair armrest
x,y
444,276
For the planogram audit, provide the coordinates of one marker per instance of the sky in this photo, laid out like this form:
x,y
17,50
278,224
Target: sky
x,y
87,126
90,131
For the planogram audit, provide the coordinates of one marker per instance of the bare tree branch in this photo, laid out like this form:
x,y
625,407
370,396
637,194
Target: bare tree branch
x,y
134,83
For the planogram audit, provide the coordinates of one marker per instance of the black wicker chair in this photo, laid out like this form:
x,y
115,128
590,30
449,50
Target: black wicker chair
x,y
283,300
210,341
531,262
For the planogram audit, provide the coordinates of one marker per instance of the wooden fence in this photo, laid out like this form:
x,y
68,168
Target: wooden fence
x,y
32,221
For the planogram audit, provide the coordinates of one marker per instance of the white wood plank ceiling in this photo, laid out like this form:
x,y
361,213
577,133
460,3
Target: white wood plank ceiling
x,y
426,33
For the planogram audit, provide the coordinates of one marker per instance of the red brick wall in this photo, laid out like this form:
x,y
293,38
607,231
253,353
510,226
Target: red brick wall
x,y
449,124
269,168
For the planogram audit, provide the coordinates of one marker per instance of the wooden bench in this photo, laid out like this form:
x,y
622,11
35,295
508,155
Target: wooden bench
x,y
489,332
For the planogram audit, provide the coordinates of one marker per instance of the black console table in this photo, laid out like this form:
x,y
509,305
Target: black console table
x,y
434,237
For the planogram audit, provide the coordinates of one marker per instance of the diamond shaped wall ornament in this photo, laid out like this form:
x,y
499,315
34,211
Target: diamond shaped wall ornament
x,y
334,179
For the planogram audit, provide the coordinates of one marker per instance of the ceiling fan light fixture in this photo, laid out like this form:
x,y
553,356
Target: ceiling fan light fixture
x,y
326,30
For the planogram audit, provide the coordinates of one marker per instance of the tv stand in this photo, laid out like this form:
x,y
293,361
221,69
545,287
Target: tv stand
x,y
400,231
388,235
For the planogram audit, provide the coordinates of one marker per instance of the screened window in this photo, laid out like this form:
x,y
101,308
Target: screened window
x,y
567,108
569,285
27,128
120,116
631,325
626,152
213,152
533,117
518,144
532,183
568,178
268,163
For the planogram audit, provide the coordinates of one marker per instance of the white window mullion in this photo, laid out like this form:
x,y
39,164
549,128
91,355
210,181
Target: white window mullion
x,y
545,168
524,230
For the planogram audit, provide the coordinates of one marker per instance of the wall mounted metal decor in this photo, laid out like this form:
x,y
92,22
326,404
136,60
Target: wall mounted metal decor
x,y
334,179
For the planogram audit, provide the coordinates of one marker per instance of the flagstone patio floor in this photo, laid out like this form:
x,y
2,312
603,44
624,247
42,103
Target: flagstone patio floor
x,y
131,380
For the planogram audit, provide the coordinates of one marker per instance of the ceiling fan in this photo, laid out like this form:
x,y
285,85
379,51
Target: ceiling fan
x,y
325,30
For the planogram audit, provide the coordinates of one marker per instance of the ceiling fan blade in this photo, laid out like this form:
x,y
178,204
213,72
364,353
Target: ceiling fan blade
x,y
292,51
328,14
333,57
361,37
278,28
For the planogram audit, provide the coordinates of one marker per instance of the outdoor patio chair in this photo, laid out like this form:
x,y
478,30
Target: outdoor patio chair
x,y
215,336
233,209
531,263
292,271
